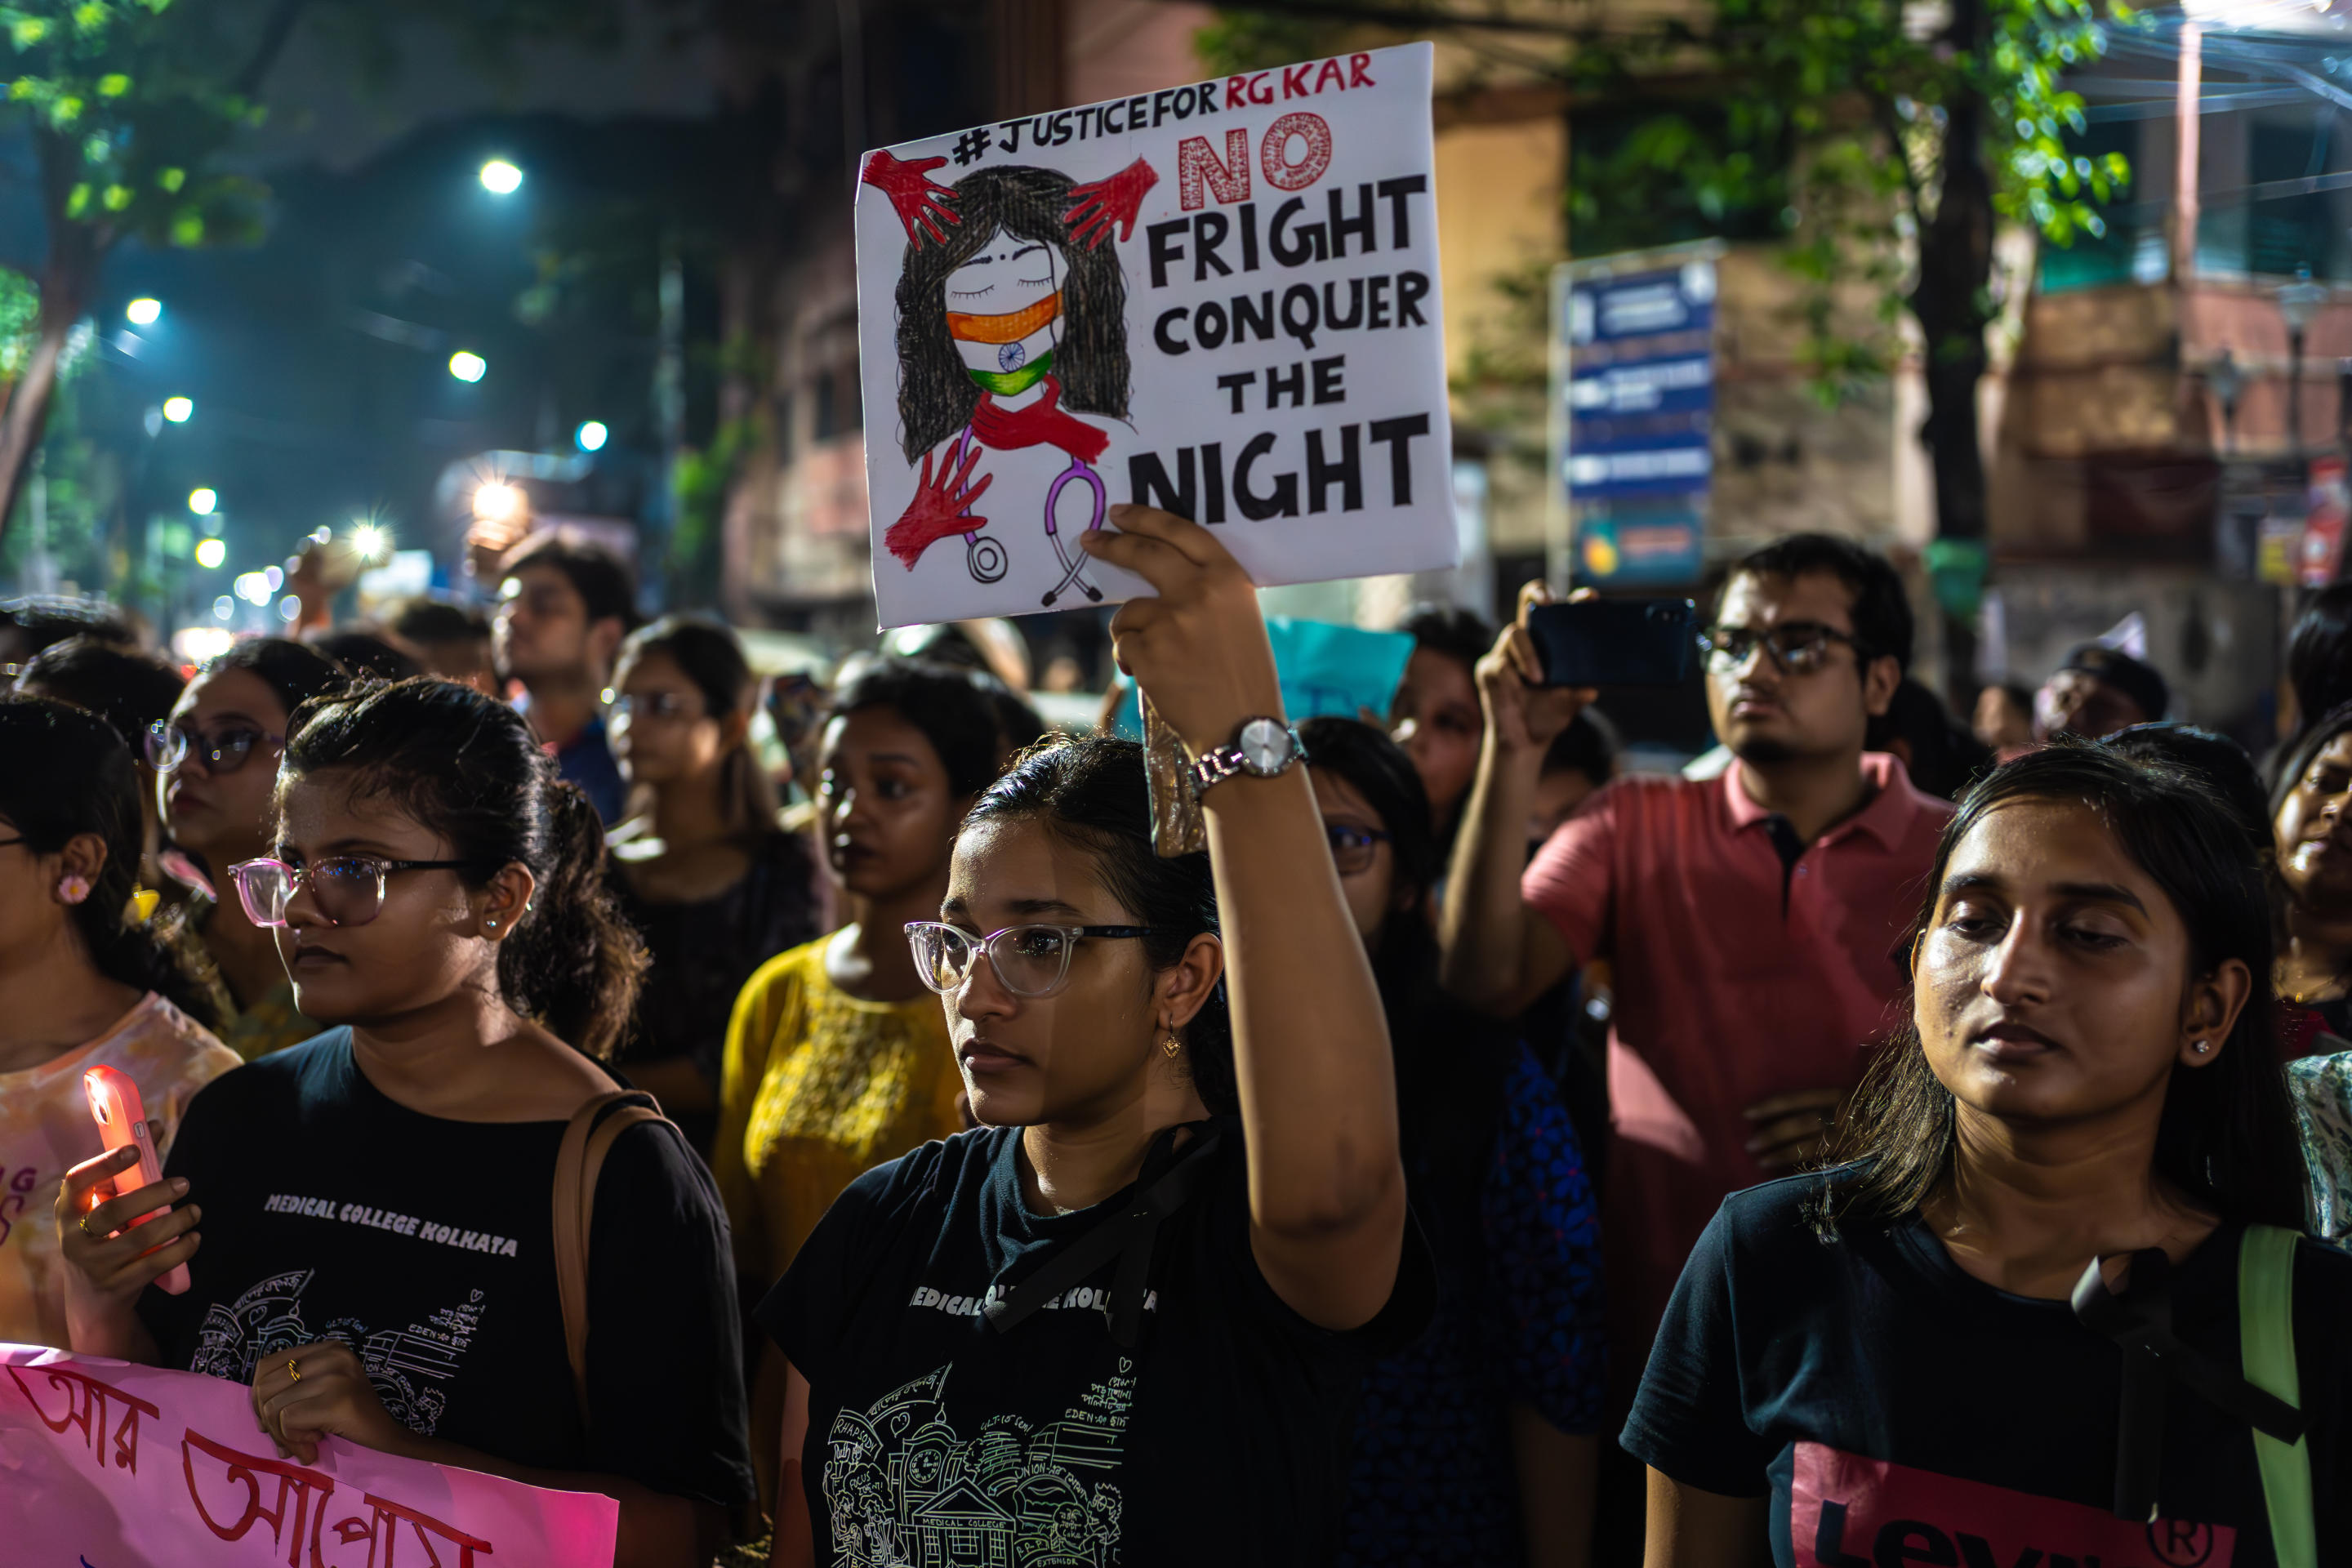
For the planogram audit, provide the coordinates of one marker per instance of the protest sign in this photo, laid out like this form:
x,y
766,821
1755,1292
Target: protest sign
x,y
115,1466
1220,299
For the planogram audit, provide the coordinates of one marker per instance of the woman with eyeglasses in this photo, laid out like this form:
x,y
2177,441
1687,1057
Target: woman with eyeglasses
x,y
378,1256
217,761
2052,1302
1476,1443
1125,1320
837,1056
712,880
82,986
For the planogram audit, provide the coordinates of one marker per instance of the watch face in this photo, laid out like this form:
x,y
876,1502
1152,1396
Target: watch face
x,y
1264,745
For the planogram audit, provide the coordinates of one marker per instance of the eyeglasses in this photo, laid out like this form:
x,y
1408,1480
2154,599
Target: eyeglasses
x,y
651,705
1352,848
1799,647
1031,960
168,745
348,888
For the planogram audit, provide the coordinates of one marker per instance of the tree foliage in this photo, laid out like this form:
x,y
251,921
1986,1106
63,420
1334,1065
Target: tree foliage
x,y
1844,131
126,107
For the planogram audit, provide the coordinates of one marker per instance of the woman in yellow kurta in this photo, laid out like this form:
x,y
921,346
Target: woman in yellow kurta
x,y
837,1057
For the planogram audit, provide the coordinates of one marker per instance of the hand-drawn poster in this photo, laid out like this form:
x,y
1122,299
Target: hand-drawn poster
x,y
1219,299
116,1465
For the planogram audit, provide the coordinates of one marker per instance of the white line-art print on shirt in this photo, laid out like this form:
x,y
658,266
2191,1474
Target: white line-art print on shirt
x,y
906,1490
407,1366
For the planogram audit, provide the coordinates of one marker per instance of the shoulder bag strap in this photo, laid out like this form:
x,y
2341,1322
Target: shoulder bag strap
x,y
587,1141
2266,1344
1168,1182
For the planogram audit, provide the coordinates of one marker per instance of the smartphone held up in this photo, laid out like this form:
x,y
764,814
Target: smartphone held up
x,y
122,1122
1615,642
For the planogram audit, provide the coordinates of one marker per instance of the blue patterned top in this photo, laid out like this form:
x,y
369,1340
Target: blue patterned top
x,y
1435,1480
2321,1088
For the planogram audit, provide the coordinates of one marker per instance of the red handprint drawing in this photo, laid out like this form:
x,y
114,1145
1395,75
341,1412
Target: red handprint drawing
x,y
1100,205
921,202
941,507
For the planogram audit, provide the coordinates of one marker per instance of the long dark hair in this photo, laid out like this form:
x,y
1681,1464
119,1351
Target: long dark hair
x,y
710,655
64,773
1093,795
1449,1063
936,396
469,769
2227,1137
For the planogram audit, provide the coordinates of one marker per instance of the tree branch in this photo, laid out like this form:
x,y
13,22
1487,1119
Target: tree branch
x,y
275,33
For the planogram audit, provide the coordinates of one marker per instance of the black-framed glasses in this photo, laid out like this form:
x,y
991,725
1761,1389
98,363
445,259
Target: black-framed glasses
x,y
225,752
1030,960
1352,848
1799,647
348,888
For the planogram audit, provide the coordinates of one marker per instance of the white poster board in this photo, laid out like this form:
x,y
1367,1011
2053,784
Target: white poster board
x,y
1220,299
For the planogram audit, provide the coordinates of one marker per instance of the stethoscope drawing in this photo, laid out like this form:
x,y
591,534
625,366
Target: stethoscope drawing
x,y
984,558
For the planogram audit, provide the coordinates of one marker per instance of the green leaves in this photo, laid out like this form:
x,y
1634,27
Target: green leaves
x,y
123,101
1843,116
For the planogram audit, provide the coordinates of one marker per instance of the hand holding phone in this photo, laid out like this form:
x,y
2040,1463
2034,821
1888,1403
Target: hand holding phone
x,y
122,1123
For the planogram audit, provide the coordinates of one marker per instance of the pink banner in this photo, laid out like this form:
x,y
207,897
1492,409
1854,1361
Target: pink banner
x,y
116,1465
1848,1512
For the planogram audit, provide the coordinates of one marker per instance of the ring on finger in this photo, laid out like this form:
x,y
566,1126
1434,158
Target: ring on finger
x,y
84,1223
293,1368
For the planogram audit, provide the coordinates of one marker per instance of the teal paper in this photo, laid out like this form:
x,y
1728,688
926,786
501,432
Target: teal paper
x,y
1325,667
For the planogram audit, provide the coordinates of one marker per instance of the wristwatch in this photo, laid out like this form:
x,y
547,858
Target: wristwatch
x,y
1262,748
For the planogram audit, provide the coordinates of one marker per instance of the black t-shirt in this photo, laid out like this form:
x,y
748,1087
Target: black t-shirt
x,y
1897,1408
331,1212
934,1437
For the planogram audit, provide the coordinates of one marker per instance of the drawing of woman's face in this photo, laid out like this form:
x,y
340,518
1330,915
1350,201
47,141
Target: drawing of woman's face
x,y
1004,311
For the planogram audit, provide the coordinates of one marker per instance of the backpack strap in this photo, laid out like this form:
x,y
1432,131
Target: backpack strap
x,y
2266,1345
587,1141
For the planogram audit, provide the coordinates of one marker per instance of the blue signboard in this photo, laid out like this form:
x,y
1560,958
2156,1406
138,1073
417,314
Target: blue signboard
x,y
1640,417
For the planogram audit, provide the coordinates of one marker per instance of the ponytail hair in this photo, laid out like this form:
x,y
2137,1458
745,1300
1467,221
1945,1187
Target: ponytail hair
x,y
65,772
711,659
1093,795
468,768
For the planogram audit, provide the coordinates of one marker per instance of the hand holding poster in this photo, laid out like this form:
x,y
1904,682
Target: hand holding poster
x,y
118,1465
1219,299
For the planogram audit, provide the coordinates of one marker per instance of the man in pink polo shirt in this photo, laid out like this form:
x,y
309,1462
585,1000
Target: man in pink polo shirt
x,y
1750,919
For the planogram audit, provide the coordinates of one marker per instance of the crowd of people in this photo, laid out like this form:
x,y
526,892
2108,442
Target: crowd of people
x,y
1887,1139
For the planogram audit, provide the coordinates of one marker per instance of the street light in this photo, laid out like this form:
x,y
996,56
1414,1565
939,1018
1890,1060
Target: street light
x,y
592,436
467,365
179,410
211,553
2296,302
143,313
501,178
202,501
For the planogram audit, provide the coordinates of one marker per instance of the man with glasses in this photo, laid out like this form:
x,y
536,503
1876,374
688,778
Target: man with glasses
x,y
563,609
1750,919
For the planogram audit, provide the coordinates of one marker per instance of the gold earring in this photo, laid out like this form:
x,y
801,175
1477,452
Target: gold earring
x,y
1173,1043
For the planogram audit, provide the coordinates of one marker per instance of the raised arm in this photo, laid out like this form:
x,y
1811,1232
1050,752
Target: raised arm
x,y
1499,955
1310,1042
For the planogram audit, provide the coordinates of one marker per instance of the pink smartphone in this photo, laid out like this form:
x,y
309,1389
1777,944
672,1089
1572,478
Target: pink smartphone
x,y
122,1120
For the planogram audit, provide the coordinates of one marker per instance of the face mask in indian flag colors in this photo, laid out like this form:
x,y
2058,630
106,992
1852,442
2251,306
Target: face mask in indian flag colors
x,y
1008,353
